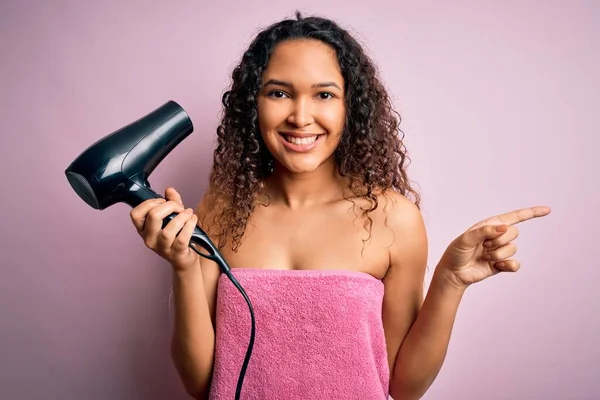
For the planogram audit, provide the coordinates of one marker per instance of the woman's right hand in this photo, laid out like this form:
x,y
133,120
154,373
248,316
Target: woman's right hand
x,y
169,243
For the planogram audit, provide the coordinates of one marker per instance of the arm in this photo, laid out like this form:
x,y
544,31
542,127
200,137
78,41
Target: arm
x,y
480,252
423,350
417,332
193,340
192,345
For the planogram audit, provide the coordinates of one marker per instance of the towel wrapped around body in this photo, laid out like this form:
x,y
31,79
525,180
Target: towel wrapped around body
x,y
319,335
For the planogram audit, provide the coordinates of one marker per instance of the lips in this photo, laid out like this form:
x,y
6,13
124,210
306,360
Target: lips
x,y
300,142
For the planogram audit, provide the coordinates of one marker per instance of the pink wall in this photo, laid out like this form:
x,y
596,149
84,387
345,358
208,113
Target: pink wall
x,y
498,102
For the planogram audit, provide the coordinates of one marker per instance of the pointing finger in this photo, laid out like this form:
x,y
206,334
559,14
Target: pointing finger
x,y
515,217
523,214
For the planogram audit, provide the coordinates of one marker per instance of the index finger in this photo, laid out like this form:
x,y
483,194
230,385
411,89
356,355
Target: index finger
x,y
517,216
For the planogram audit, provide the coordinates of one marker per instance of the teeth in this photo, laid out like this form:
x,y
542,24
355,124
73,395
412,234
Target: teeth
x,y
301,141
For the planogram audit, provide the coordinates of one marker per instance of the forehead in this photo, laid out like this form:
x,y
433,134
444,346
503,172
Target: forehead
x,y
304,60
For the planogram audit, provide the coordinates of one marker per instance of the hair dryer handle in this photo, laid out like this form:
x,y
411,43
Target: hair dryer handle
x,y
137,194
200,237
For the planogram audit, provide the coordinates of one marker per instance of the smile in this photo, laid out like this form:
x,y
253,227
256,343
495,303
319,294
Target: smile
x,y
302,140
300,144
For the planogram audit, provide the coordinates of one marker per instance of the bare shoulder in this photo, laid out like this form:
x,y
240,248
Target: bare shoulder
x,y
404,218
394,211
401,214
398,227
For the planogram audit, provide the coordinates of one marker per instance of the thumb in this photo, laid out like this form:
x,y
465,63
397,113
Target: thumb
x,y
474,237
173,195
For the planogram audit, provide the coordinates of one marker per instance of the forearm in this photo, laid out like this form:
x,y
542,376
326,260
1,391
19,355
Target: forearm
x,y
193,340
423,351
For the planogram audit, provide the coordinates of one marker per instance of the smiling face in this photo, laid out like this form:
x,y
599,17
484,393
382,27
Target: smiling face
x,y
301,109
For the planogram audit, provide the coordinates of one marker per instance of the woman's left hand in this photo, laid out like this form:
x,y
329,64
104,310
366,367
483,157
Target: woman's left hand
x,y
485,248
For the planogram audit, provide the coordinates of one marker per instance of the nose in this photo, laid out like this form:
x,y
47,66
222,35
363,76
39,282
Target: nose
x,y
301,114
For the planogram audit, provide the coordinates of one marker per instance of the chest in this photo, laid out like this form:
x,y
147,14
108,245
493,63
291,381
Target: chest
x,y
333,237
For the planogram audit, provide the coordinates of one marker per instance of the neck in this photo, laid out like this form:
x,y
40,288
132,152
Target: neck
x,y
306,189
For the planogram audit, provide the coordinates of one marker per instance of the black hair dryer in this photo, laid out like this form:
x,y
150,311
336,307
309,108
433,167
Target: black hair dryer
x,y
116,168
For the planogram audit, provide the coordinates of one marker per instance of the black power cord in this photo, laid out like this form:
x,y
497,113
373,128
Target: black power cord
x,y
227,271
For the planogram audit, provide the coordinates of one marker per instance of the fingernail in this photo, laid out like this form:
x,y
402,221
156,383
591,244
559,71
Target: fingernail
x,y
501,228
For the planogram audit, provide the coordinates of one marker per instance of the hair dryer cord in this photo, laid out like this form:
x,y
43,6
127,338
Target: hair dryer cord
x,y
227,271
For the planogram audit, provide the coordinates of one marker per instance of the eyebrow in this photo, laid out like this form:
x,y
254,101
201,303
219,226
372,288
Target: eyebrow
x,y
288,84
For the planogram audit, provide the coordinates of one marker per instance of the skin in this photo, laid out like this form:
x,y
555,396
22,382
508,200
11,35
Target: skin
x,y
307,213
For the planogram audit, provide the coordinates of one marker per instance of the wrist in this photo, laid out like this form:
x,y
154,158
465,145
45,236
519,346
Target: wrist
x,y
187,272
448,281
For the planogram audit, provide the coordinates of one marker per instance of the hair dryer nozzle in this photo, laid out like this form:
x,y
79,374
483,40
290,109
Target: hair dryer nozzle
x,y
116,168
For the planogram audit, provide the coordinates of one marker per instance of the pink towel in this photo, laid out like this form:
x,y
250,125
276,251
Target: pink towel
x,y
319,335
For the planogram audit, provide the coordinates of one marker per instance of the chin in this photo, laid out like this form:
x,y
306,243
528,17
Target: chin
x,y
303,171
303,166
298,169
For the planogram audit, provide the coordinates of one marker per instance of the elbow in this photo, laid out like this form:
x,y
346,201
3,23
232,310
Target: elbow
x,y
195,390
404,388
402,393
197,395
196,385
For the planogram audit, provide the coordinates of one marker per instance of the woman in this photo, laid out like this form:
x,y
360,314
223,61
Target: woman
x,y
310,203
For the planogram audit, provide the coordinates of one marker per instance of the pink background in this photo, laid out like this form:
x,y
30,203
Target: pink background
x,y
499,103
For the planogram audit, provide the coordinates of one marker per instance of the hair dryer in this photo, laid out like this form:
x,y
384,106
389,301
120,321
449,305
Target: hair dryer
x,y
116,168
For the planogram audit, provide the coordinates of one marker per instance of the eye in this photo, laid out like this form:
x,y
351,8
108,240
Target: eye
x,y
325,96
277,94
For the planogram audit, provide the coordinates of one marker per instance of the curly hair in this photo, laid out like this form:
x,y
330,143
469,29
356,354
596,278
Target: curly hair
x,y
371,154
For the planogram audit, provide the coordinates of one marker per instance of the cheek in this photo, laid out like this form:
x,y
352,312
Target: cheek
x,y
334,118
269,119
270,116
